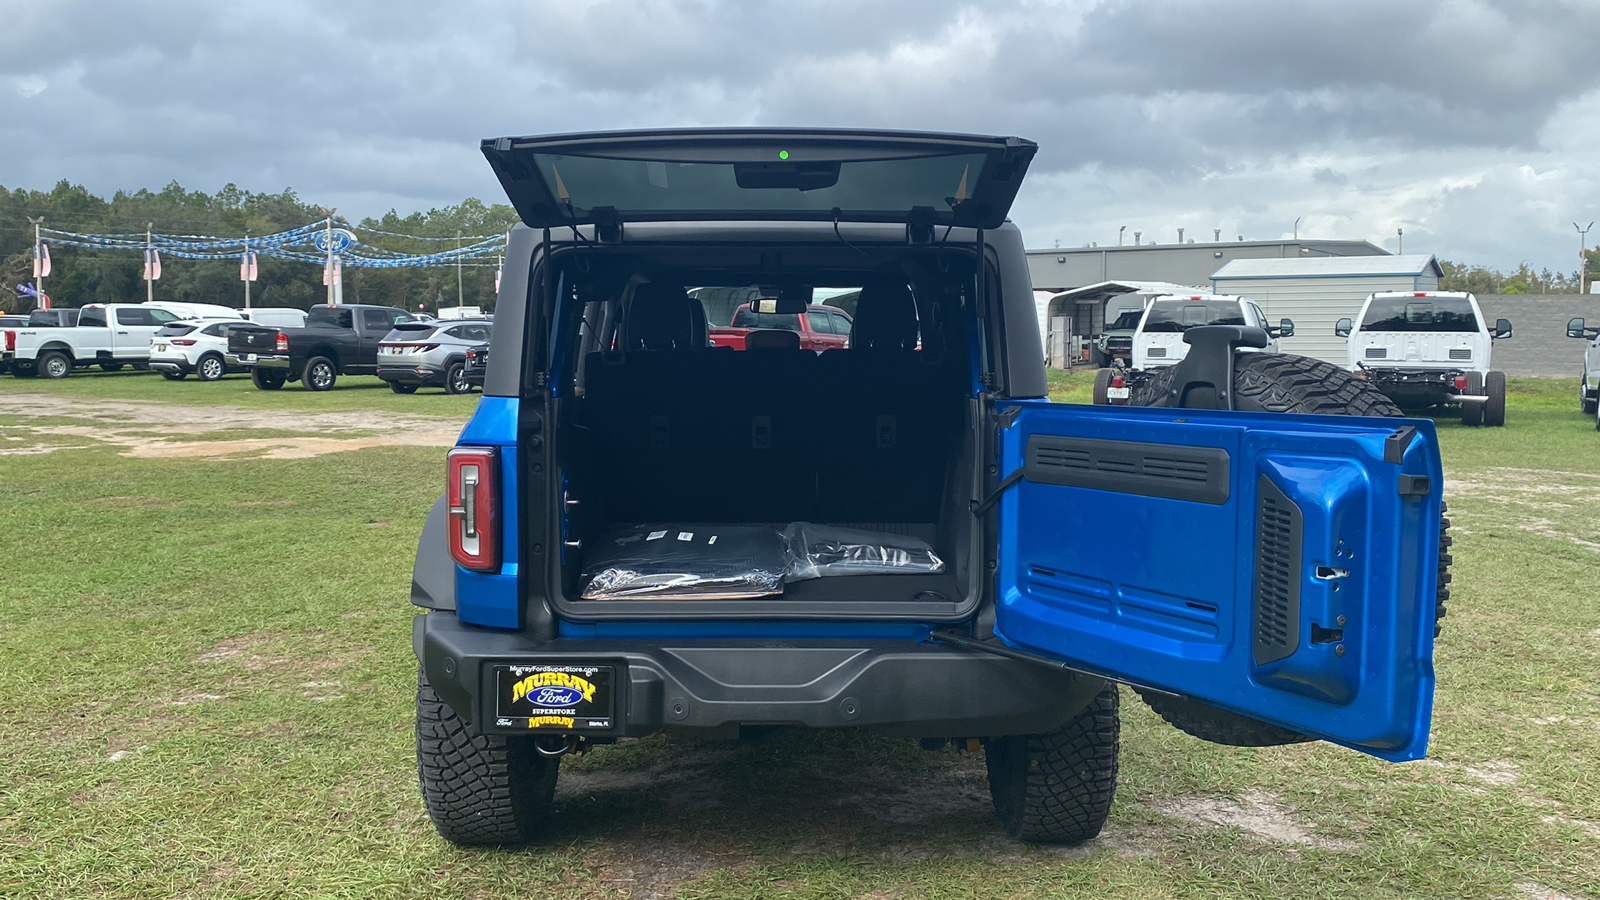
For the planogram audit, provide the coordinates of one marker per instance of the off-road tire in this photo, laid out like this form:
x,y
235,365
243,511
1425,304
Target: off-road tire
x,y
1494,412
1269,382
111,367
480,790
210,368
320,374
399,388
1472,413
1057,788
455,379
267,379
1102,384
53,364
174,376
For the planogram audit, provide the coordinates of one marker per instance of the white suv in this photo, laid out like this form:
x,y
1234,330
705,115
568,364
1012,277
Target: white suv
x,y
192,345
1429,349
1158,340
1589,387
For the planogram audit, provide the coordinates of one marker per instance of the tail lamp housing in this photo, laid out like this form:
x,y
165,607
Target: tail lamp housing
x,y
1461,382
183,342
282,345
471,501
11,341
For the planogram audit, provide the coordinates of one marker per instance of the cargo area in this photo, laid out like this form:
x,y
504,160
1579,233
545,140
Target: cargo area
x,y
666,433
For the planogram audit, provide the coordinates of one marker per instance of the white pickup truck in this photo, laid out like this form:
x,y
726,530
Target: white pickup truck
x,y
110,335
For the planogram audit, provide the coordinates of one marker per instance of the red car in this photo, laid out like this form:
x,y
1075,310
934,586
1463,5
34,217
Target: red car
x,y
820,327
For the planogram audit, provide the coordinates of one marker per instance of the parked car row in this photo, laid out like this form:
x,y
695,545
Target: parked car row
x,y
274,346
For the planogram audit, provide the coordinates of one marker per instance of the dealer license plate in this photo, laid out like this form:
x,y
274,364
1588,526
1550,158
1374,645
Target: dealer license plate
x,y
1120,393
554,697
249,357
161,348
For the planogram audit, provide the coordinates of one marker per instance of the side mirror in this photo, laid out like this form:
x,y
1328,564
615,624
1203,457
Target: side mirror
x,y
1341,328
1502,329
1285,328
1575,328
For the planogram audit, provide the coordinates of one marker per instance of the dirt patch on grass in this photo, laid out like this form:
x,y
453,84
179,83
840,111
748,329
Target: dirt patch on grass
x,y
165,431
1261,814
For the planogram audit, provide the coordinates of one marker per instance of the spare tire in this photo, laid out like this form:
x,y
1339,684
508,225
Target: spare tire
x,y
1272,382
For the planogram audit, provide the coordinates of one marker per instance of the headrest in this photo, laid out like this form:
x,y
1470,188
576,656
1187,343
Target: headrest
x,y
771,339
662,317
886,317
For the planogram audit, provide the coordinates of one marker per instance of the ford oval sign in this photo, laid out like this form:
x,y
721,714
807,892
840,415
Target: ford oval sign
x,y
556,697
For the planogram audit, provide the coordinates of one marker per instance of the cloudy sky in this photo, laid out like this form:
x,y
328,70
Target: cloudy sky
x,y
1472,124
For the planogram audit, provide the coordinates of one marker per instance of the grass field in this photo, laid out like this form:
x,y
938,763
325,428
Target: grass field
x,y
206,666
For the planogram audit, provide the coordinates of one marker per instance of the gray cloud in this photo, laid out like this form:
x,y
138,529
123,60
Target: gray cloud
x,y
1361,116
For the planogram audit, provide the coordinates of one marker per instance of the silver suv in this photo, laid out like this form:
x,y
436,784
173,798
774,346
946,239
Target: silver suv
x,y
430,353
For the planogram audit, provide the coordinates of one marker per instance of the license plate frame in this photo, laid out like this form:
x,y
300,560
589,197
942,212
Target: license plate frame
x,y
560,697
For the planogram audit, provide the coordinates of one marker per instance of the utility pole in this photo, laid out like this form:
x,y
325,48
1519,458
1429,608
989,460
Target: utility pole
x,y
149,265
38,262
460,296
1583,253
328,266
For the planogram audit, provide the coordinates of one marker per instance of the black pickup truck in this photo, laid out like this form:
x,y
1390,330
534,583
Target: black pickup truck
x,y
336,340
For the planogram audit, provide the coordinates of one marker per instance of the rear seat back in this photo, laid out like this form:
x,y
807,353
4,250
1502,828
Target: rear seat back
x,y
777,434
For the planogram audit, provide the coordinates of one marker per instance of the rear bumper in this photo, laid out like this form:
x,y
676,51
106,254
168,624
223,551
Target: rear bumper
x,y
171,364
898,687
262,360
414,374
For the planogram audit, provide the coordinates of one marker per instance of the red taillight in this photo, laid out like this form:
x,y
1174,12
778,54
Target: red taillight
x,y
183,342
470,492
283,343
11,340
1196,298
1116,380
1461,382
1420,294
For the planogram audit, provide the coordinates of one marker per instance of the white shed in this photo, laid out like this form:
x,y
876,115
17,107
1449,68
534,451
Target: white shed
x,y
1317,292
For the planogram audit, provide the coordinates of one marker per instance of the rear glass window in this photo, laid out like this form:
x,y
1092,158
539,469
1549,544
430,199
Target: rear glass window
x,y
322,315
1182,315
1419,314
174,330
637,187
1128,319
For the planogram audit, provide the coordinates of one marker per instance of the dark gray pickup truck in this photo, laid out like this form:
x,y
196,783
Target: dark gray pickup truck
x,y
336,340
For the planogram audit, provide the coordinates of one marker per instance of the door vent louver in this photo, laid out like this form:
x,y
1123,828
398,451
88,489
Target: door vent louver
x,y
1157,352
1279,533
1461,354
1377,353
1199,474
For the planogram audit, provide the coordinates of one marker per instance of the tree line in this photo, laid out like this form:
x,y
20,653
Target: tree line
x,y
1485,280
83,275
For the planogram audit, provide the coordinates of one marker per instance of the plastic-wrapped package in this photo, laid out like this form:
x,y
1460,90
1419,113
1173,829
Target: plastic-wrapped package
x,y
820,551
686,562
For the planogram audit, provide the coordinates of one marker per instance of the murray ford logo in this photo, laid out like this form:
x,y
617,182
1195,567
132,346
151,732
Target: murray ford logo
x,y
552,690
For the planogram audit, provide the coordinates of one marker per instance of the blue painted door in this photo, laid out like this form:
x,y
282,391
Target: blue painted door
x,y
1282,567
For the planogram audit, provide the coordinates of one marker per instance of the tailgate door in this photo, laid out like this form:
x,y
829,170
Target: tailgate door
x,y
1282,567
754,174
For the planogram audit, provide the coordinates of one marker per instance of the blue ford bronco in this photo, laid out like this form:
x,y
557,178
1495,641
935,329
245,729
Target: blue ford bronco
x,y
615,553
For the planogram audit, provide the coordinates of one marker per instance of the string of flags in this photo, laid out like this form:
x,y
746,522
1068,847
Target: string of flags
x,y
308,243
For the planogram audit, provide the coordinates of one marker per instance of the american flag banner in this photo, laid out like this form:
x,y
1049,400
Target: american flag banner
x,y
152,264
330,271
41,261
247,266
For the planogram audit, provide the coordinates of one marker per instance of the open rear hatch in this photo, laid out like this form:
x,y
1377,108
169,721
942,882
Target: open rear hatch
x,y
736,174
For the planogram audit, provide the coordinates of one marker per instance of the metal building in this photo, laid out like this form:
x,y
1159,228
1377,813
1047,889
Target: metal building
x,y
1063,269
1316,293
